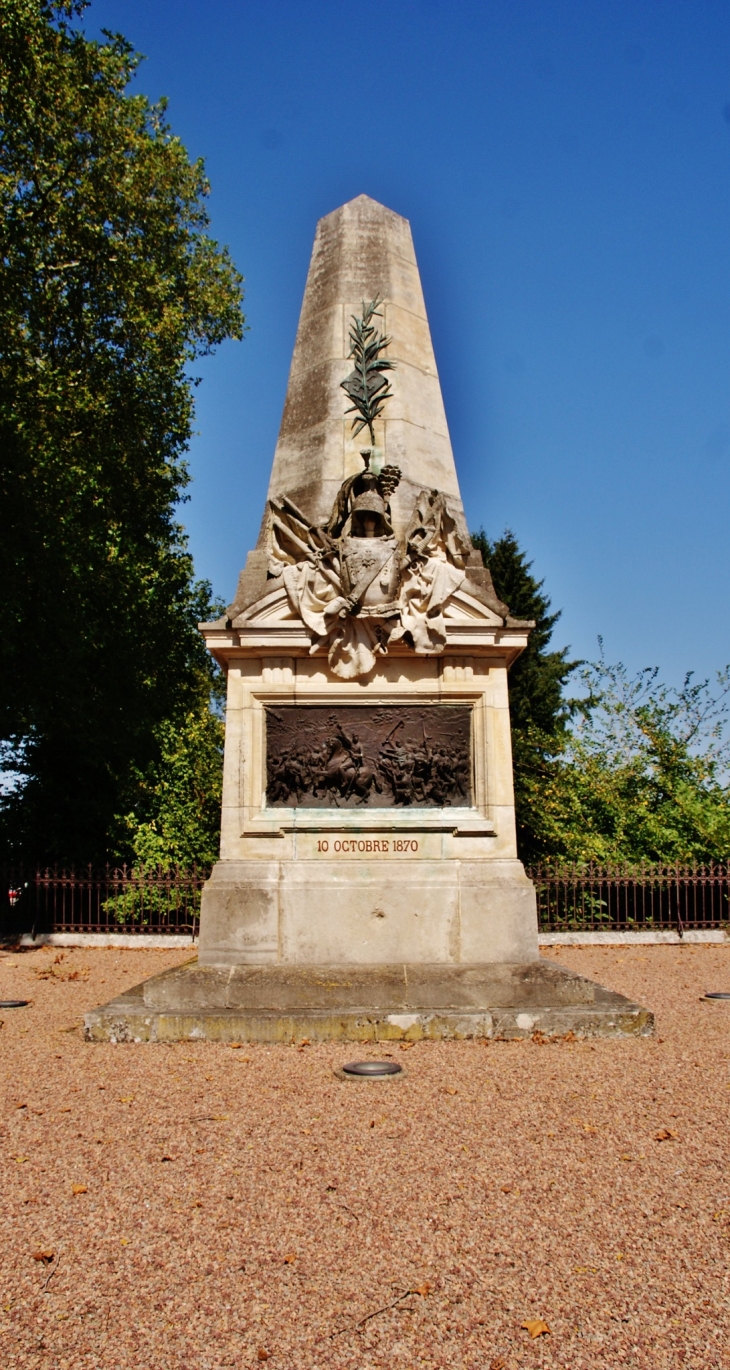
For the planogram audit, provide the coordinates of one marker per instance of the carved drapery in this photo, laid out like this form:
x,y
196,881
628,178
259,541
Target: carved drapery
x,y
355,586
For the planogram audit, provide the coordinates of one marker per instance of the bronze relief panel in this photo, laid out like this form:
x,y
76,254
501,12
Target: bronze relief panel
x,y
404,755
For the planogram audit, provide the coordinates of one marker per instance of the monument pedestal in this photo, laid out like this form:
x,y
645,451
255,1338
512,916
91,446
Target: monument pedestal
x,y
384,1003
324,874
367,911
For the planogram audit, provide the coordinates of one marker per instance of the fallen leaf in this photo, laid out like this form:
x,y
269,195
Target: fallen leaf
x,y
79,1189
45,1256
235,1046
261,1354
665,1134
535,1326
21,1105
307,1131
20,1159
289,1260
406,1046
587,1128
423,1289
127,1099
167,1158
506,1188
451,1091
499,1363
219,1117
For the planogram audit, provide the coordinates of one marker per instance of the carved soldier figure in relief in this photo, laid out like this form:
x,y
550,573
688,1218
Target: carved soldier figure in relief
x,y
355,587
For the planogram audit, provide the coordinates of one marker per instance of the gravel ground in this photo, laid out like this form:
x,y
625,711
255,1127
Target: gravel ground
x,y
209,1206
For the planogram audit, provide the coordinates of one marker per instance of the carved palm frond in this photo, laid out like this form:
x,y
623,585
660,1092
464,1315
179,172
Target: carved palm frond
x,y
366,385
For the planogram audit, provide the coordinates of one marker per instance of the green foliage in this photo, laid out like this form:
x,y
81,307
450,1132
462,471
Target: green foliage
x,y
539,710
110,288
175,818
173,825
630,771
644,772
366,385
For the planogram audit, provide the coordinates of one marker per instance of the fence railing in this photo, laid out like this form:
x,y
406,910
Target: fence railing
x,y
570,898
583,898
114,899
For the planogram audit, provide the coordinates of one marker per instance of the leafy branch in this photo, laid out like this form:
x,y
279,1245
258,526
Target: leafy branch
x,y
366,385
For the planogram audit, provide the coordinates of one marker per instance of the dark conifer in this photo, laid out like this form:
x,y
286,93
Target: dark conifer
x,y
539,709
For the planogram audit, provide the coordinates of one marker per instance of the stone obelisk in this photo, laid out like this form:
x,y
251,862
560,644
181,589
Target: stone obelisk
x,y
368,882
362,251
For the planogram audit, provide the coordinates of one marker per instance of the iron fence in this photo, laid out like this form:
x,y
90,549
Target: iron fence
x,y
570,898
120,899
591,898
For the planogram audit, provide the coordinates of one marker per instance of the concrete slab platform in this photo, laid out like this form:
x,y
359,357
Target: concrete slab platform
x,y
365,1003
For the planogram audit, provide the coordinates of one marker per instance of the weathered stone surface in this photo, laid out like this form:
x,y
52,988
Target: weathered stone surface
x,y
360,911
390,1002
362,250
368,910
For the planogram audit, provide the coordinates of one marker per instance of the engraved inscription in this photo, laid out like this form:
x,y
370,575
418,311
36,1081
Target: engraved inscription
x,y
368,846
402,755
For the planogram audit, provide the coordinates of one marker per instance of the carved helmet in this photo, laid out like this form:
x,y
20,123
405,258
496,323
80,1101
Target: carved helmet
x,y
369,503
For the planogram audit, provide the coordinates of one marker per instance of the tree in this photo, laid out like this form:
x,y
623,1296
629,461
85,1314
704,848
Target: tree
x,y
176,801
110,289
539,710
644,772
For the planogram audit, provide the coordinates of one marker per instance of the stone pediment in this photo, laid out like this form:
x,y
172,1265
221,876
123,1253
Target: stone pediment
x,y
272,607
275,607
463,606
271,623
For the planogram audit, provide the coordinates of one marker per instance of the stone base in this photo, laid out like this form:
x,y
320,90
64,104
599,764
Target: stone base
x,y
367,911
365,1004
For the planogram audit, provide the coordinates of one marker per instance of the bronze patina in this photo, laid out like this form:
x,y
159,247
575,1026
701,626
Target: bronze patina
x,y
366,385
417,756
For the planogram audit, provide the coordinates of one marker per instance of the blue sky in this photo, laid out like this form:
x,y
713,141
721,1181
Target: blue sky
x,y
565,165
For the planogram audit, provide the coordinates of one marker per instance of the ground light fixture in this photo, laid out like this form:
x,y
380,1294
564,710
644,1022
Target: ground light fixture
x,y
372,1070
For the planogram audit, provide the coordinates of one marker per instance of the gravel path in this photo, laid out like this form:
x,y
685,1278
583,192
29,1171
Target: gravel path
x,y
209,1206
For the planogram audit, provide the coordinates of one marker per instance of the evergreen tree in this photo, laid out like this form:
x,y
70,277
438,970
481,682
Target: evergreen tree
x,y
110,288
539,710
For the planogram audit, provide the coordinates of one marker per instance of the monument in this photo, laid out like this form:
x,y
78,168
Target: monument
x,y
368,882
